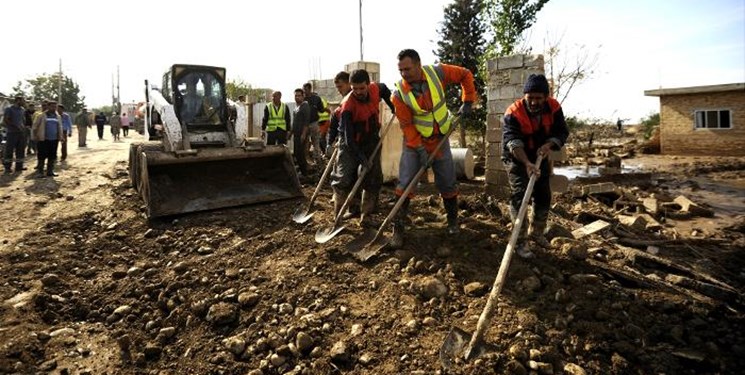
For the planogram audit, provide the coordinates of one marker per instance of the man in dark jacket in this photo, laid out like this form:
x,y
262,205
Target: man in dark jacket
x,y
533,125
100,122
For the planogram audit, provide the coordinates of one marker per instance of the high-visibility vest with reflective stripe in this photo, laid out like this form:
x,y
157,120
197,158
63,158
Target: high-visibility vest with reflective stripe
x,y
276,117
324,116
424,120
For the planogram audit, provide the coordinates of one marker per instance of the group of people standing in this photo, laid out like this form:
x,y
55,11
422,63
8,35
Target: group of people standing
x,y
534,125
45,133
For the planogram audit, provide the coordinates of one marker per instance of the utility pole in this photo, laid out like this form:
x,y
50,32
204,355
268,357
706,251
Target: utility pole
x,y
118,96
113,97
59,86
361,55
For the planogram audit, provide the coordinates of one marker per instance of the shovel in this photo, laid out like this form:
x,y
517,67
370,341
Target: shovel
x,y
461,344
303,213
363,247
325,234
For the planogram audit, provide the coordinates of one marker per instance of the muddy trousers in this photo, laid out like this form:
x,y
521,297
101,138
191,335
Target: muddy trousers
x,y
47,153
298,151
345,174
442,166
15,145
518,179
82,134
313,147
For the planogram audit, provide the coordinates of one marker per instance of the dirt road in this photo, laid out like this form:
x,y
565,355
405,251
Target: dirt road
x,y
89,286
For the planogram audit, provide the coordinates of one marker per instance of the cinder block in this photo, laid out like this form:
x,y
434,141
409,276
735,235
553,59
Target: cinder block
x,y
533,61
509,62
494,149
494,120
494,163
491,65
500,192
496,177
517,76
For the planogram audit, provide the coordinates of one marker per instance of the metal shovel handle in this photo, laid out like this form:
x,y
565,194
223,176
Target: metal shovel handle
x,y
486,315
414,181
363,173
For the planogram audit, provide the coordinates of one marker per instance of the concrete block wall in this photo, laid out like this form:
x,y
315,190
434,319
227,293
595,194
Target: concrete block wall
x,y
507,76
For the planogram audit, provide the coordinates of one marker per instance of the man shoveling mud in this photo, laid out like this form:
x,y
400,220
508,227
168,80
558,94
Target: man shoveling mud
x,y
533,125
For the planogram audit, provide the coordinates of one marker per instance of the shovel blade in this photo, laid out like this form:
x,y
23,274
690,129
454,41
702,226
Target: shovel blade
x,y
366,246
453,349
301,215
325,234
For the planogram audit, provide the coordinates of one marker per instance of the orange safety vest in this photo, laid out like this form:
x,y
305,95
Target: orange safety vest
x,y
528,127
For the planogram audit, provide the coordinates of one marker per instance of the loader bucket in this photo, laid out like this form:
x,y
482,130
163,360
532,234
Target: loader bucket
x,y
215,178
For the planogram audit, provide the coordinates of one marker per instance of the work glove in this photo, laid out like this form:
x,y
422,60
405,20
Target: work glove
x,y
465,109
423,157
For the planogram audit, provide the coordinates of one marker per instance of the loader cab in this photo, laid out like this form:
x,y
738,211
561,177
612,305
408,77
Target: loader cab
x,y
198,96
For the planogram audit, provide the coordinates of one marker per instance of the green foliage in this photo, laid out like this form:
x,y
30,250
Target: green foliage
x,y
46,86
238,87
107,110
649,123
462,44
508,20
574,123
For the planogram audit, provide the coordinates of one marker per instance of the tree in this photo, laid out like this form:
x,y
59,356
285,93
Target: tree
x,y
649,122
462,43
238,87
46,86
565,71
508,20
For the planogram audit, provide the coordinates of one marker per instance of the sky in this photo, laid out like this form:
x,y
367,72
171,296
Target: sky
x,y
280,44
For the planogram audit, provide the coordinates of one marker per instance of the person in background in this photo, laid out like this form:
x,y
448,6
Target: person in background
x,y
13,121
66,130
300,122
115,122
125,124
276,121
29,145
314,133
83,121
100,120
47,131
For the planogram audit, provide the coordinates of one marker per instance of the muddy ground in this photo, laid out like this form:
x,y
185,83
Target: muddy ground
x,y
89,286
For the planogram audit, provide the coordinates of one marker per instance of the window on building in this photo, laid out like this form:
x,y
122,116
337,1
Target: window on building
x,y
712,119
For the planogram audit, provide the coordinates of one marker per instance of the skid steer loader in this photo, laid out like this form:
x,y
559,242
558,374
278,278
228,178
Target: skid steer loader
x,y
196,159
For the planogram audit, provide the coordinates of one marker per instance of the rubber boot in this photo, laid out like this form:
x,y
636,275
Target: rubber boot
x,y
521,247
397,239
451,207
20,167
367,207
40,168
339,198
537,229
7,168
354,208
50,169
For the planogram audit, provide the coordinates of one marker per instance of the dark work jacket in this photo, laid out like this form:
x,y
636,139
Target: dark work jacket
x,y
520,130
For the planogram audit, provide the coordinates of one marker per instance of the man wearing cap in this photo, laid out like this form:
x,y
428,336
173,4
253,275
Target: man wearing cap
x,y
67,130
533,125
83,121
47,131
13,120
